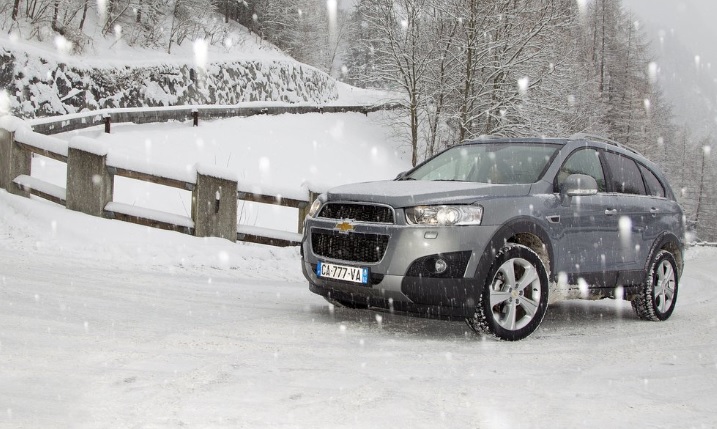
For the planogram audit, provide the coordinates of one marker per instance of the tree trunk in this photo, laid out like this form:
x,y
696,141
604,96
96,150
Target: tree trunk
x,y
602,53
467,87
15,9
84,14
55,13
700,192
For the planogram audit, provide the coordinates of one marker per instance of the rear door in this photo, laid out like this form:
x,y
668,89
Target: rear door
x,y
664,213
632,208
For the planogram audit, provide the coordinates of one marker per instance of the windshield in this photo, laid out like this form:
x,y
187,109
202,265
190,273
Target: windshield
x,y
498,163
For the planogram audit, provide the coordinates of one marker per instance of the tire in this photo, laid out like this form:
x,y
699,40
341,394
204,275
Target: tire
x,y
658,295
514,297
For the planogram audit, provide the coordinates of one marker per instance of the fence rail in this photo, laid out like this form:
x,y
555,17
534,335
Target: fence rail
x,y
90,178
106,117
702,244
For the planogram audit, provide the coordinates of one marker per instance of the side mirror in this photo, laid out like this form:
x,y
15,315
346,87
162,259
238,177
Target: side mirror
x,y
577,185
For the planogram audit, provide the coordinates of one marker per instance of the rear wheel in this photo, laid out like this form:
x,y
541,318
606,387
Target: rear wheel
x,y
658,295
514,298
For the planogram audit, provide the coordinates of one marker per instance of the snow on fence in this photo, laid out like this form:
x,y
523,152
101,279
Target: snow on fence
x,y
91,168
56,125
702,244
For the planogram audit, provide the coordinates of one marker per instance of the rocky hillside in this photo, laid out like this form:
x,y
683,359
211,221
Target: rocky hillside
x,y
40,85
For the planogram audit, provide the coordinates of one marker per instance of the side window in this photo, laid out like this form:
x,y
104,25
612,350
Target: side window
x,y
626,177
584,161
654,187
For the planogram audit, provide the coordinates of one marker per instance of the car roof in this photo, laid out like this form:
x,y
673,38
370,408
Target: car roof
x,y
493,139
579,137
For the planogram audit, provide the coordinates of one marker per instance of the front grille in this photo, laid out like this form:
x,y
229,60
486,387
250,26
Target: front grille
x,y
357,212
354,247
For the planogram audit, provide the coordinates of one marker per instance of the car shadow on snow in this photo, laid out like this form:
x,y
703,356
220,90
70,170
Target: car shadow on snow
x,y
571,317
391,323
575,317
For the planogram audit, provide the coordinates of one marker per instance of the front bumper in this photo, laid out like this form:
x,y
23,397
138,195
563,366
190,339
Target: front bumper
x,y
395,283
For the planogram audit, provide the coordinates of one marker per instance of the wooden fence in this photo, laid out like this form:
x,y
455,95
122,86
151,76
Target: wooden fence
x,y
90,179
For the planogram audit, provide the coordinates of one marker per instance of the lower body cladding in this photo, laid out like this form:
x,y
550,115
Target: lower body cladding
x,y
384,299
426,272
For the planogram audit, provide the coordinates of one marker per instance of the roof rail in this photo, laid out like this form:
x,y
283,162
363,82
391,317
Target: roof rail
x,y
488,137
599,138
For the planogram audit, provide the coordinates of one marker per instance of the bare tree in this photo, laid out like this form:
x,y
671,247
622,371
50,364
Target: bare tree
x,y
705,205
187,18
402,53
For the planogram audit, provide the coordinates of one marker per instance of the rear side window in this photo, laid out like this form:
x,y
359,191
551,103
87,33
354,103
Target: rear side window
x,y
654,186
625,175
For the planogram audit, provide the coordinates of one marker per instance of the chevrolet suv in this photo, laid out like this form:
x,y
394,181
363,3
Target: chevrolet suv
x,y
490,230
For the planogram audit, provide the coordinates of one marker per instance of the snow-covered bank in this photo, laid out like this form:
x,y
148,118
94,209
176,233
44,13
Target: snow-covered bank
x,y
107,324
285,154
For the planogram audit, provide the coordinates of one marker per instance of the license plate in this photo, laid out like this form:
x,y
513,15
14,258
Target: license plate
x,y
342,272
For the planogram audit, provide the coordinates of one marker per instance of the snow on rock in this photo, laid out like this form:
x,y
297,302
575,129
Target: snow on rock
x,y
43,84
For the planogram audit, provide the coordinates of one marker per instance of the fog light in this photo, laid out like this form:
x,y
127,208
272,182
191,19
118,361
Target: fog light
x,y
441,266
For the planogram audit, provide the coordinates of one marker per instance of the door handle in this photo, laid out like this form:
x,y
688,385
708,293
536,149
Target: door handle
x,y
654,211
611,212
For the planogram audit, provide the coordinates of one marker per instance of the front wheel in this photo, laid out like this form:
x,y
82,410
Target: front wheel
x,y
658,295
514,298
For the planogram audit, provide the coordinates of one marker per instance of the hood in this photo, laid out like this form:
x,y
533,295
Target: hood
x,y
407,193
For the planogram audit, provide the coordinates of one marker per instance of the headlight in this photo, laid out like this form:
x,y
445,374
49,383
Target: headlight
x,y
314,208
444,215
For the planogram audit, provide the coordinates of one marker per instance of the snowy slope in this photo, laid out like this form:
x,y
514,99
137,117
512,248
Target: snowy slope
x,y
110,324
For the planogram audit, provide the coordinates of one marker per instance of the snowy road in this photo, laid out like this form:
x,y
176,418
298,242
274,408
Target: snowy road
x,y
91,343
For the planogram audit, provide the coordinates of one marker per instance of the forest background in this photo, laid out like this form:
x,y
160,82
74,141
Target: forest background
x,y
461,68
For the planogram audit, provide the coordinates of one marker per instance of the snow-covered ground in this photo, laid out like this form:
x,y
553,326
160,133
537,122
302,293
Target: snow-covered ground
x,y
110,324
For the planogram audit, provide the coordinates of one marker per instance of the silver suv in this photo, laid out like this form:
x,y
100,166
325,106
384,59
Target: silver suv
x,y
491,230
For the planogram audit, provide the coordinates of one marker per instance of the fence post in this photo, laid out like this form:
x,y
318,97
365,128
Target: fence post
x,y
108,120
304,211
214,203
13,162
195,117
89,184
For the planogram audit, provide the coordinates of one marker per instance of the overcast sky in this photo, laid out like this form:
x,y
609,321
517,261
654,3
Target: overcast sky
x,y
694,22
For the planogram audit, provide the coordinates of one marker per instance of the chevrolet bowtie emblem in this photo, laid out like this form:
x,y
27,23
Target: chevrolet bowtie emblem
x,y
344,227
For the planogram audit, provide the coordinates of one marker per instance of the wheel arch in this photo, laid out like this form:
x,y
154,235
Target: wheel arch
x,y
669,242
521,230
